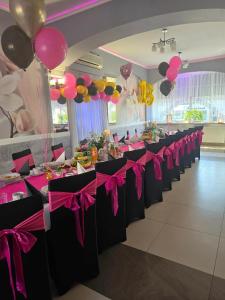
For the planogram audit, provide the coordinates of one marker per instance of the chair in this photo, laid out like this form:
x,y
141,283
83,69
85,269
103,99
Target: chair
x,y
111,202
72,241
153,174
23,162
175,171
198,141
57,151
167,184
135,206
25,217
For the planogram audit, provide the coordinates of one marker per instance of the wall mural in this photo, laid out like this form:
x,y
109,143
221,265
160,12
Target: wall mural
x,y
23,99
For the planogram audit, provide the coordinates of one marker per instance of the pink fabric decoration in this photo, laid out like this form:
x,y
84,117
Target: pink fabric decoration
x,y
23,241
112,183
157,161
57,153
138,169
50,47
169,152
75,202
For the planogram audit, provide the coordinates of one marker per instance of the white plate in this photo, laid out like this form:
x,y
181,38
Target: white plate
x,y
10,177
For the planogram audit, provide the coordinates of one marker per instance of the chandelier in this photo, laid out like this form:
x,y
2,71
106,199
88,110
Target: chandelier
x,y
161,45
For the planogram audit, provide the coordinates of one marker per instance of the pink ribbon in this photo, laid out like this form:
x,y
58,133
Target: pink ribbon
x,y
112,183
157,160
22,241
200,134
169,152
176,153
138,169
76,202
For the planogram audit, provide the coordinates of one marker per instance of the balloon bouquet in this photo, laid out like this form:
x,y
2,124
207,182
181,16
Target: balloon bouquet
x,y
145,94
84,89
170,71
28,38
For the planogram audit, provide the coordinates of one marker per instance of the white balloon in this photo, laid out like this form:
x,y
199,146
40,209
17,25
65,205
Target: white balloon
x,y
11,102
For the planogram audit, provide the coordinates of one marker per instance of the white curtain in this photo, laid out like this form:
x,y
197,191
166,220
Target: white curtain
x,y
90,118
204,91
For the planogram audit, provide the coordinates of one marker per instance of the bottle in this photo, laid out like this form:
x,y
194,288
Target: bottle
x,y
94,154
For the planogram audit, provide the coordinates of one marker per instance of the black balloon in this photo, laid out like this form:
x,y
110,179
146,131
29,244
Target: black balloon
x,y
79,98
163,67
119,88
92,90
17,46
80,81
61,100
166,87
109,90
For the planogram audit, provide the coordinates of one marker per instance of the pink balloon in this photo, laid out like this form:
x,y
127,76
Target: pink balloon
x,y
176,62
54,94
70,79
70,92
172,73
87,80
114,100
102,95
108,98
96,97
50,47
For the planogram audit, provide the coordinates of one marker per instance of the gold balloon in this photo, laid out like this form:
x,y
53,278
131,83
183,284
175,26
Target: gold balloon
x,y
81,89
112,84
85,91
30,15
116,94
100,85
87,99
62,91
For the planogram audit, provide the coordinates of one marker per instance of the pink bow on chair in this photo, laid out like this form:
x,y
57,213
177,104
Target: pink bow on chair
x,y
112,183
22,241
157,160
169,156
76,202
138,168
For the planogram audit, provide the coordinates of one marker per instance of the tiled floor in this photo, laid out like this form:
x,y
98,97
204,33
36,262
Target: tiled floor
x,y
178,251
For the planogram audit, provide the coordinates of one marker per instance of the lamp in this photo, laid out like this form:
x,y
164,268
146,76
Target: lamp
x,y
161,45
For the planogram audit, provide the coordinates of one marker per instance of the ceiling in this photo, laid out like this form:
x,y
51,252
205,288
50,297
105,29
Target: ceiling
x,y
198,42
58,9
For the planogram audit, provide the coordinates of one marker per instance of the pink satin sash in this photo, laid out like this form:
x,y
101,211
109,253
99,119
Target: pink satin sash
x,y
138,169
157,160
112,183
76,202
182,143
176,153
57,153
22,241
138,145
169,152
200,134
19,162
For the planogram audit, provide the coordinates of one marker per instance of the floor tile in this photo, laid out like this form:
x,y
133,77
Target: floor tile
x,y
217,289
160,211
141,233
220,261
197,219
223,229
131,274
188,247
81,292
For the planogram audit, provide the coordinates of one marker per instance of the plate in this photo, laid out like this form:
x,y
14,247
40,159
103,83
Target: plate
x,y
10,177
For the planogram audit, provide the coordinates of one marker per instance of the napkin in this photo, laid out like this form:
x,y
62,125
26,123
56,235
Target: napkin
x,y
61,158
80,169
25,169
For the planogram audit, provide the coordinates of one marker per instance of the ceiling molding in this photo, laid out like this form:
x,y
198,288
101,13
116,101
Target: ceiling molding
x,y
74,9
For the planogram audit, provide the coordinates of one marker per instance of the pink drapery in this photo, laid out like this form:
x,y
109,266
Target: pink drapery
x,y
112,183
23,241
76,202
138,168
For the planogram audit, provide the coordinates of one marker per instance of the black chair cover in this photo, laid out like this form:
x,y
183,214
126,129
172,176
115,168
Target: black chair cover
x,y
153,187
25,170
69,261
135,208
167,185
35,265
111,229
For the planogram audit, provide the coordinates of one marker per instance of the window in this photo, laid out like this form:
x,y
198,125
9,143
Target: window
x,y
197,97
111,113
59,116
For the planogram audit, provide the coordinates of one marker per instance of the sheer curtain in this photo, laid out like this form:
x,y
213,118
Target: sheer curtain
x,y
90,117
203,91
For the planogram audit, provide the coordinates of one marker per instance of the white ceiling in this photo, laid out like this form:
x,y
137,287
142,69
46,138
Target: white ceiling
x,y
200,41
